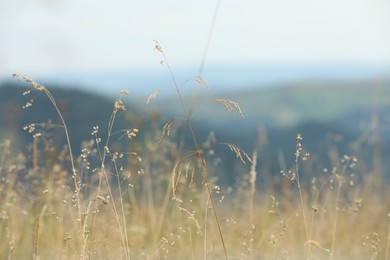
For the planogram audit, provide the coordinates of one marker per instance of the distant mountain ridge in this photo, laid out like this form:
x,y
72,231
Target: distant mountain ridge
x,y
82,110
337,115
220,77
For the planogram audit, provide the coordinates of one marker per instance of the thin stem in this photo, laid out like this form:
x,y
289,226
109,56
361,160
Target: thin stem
x,y
336,212
387,256
205,227
297,156
304,218
207,46
126,238
197,150
74,176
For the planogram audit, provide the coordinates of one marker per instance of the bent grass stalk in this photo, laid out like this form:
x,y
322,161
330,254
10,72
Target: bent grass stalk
x,y
43,89
198,152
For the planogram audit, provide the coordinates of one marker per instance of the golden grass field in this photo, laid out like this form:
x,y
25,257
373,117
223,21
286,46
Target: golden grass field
x,y
157,200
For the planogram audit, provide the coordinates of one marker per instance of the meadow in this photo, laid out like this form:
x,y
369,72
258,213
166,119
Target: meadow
x,y
160,194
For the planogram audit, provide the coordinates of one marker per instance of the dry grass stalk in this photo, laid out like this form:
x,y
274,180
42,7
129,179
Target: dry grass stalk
x,y
11,247
252,182
41,88
387,254
240,154
198,154
152,96
166,130
201,81
231,106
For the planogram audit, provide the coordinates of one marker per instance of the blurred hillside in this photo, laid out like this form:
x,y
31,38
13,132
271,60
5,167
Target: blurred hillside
x,y
81,110
346,118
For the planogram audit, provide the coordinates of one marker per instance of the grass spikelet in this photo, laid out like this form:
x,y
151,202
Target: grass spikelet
x,y
166,130
34,84
201,81
231,106
119,105
240,154
185,166
190,171
225,104
237,107
176,173
152,96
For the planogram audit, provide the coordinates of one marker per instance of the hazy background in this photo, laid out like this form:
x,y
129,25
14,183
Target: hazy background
x,y
108,45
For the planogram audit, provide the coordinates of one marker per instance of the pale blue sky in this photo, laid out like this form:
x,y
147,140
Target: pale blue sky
x,y
43,36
